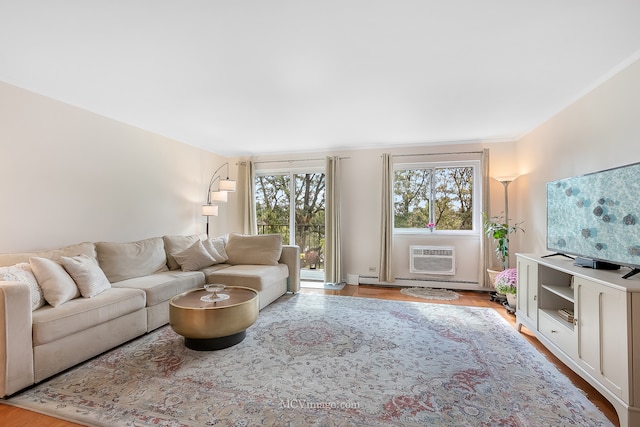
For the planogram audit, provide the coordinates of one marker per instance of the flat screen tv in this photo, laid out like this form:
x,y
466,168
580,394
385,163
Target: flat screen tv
x,y
597,217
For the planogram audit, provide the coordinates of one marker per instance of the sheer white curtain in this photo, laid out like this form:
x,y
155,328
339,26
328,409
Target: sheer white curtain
x,y
386,231
332,264
246,178
485,253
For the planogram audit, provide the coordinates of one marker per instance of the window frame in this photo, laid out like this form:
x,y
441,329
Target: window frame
x,y
476,204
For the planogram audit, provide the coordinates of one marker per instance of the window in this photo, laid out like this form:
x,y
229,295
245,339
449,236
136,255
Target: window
x,y
441,193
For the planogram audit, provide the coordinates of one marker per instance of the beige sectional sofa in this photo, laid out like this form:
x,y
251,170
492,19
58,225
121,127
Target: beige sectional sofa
x,y
61,307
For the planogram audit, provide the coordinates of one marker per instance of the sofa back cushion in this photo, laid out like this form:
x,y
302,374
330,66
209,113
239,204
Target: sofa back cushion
x,y
121,261
86,248
263,249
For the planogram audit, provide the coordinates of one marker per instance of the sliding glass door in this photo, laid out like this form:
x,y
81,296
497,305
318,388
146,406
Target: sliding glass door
x,y
292,203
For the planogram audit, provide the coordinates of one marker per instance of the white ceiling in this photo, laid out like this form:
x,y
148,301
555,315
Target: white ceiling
x,y
271,76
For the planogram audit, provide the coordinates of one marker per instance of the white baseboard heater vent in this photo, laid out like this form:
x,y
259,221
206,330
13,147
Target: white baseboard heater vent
x,y
432,260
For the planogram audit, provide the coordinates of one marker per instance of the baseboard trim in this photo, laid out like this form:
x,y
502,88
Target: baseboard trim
x,y
431,283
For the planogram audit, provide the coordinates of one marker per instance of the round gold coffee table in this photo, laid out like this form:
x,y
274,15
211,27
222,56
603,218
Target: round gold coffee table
x,y
213,325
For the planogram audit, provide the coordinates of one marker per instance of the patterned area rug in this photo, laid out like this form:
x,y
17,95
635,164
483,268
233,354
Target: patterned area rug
x,y
430,293
327,361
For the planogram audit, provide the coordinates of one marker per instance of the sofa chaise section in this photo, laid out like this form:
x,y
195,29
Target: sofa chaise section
x,y
270,281
260,262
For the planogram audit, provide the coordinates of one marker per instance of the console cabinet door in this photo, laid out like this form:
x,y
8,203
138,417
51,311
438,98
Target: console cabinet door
x,y
528,291
603,334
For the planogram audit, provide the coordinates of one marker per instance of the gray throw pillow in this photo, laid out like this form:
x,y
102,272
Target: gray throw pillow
x,y
194,257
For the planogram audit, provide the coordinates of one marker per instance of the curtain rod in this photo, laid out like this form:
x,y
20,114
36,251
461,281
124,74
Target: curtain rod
x,y
296,160
437,154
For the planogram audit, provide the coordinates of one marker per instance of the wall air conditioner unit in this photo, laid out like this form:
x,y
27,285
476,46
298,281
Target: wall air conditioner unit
x,y
432,260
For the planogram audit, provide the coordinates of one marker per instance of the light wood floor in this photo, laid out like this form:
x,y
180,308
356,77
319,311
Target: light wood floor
x,y
14,417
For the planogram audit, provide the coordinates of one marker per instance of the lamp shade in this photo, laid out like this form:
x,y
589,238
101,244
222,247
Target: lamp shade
x,y
227,185
209,210
506,178
219,196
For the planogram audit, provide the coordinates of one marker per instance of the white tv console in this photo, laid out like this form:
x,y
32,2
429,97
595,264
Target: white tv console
x,y
602,343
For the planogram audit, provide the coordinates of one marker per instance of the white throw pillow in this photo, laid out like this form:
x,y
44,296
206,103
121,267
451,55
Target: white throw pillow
x,y
57,286
194,257
21,272
87,274
215,247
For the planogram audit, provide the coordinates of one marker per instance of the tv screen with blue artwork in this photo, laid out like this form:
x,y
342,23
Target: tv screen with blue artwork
x,y
597,216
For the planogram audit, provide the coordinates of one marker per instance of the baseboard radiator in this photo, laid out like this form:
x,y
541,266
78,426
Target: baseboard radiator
x,y
440,260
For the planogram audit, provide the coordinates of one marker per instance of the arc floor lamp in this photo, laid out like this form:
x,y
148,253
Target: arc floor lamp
x,y
225,186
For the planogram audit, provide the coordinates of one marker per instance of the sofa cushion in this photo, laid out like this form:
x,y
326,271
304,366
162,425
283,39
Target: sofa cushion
x,y
214,267
194,257
161,287
262,249
175,244
256,277
87,274
21,272
86,248
50,324
57,286
121,261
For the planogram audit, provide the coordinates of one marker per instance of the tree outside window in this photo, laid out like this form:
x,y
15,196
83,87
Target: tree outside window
x,y
276,194
442,195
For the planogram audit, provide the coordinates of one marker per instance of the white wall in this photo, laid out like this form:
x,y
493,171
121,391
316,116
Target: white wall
x,y
68,175
599,131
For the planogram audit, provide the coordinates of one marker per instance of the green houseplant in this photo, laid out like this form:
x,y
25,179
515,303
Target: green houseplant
x,y
497,228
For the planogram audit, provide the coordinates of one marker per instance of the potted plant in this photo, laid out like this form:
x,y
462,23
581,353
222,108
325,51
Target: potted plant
x,y
507,283
496,227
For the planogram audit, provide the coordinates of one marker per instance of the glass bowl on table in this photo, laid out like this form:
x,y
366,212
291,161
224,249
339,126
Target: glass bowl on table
x,y
214,296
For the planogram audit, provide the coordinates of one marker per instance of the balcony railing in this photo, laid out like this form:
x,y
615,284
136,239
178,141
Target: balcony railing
x,y
310,239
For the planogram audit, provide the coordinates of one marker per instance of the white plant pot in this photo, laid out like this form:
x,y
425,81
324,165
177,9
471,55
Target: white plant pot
x,y
512,300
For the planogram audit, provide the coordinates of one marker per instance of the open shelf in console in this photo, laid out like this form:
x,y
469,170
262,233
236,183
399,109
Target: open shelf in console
x,y
565,292
556,295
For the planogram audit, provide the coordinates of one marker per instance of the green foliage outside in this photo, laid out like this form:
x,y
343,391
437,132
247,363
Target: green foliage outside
x,y
449,189
273,201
